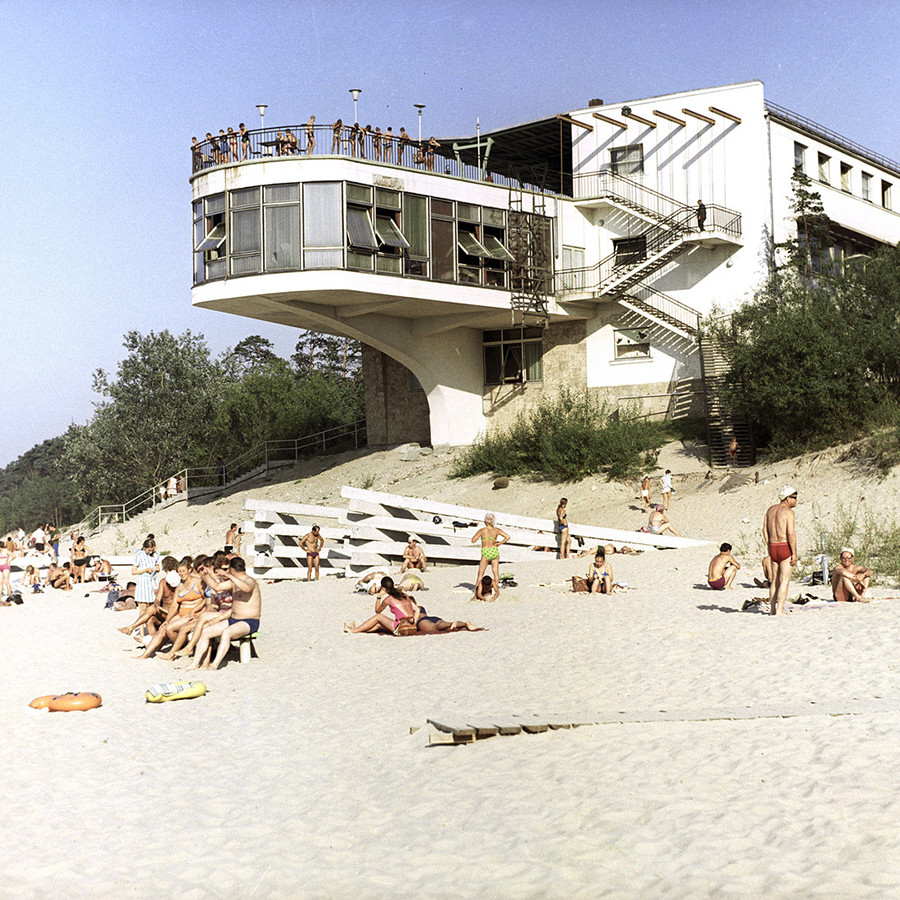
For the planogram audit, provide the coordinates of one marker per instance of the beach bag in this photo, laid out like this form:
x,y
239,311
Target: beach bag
x,y
16,597
406,628
111,598
579,584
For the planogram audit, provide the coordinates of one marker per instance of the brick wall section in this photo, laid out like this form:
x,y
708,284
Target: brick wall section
x,y
395,413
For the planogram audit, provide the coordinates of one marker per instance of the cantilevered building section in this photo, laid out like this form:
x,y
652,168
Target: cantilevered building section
x,y
487,271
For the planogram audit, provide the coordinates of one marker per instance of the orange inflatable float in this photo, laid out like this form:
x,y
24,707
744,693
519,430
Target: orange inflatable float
x,y
67,702
42,702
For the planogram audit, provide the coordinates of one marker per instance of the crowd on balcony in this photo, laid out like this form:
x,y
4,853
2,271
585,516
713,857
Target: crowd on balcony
x,y
360,141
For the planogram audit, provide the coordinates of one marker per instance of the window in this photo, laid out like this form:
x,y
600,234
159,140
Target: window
x,y
246,232
513,355
824,168
443,241
281,227
799,156
573,259
415,223
210,235
845,177
886,194
627,160
632,344
630,251
867,186
391,240
322,225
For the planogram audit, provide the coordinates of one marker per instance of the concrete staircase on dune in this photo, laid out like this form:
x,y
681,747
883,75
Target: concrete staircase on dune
x,y
721,423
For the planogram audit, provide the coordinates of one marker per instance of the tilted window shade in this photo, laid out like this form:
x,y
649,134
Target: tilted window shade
x,y
470,244
214,238
359,229
496,248
388,232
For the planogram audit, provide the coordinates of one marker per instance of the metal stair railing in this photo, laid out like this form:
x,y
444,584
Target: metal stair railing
x,y
598,185
665,307
259,458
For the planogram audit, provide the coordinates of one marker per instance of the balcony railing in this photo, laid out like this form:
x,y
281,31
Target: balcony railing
x,y
299,141
598,185
592,279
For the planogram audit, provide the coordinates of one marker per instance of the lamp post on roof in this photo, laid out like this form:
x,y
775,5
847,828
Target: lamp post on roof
x,y
355,92
420,107
262,107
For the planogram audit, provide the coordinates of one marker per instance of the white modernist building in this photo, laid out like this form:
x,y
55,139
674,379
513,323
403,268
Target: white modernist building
x,y
480,274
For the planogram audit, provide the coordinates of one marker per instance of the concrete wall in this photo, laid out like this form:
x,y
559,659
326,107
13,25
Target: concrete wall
x,y
396,411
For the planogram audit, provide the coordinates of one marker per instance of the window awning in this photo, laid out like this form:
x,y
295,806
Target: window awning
x,y
214,239
360,233
389,234
496,248
470,244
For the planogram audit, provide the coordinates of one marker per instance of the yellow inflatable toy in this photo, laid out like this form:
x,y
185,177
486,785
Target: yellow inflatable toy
x,y
175,690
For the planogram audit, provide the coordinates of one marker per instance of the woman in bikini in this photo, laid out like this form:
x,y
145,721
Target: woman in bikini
x,y
403,612
562,528
188,604
220,603
156,614
600,576
7,555
491,538
80,556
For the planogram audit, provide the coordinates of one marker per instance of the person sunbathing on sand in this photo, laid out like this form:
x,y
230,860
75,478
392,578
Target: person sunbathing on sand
x,y
600,574
486,589
59,577
723,568
850,581
245,610
413,556
659,522
433,625
402,608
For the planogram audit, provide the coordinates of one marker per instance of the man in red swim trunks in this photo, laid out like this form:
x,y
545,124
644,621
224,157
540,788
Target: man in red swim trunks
x,y
781,540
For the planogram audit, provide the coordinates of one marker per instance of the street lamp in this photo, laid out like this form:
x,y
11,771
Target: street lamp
x,y
356,92
262,107
420,107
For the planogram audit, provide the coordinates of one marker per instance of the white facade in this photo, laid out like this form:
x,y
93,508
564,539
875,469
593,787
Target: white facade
x,y
632,272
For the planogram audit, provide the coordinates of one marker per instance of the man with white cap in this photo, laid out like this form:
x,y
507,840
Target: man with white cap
x,y
413,556
781,541
848,580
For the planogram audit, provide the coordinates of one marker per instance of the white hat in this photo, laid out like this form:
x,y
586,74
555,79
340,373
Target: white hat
x,y
786,491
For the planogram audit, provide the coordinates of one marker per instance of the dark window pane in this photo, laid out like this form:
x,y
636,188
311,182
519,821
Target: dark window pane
x,y
443,249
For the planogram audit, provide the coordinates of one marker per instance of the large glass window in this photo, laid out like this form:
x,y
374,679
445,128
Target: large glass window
x,y
281,221
415,227
323,238
443,249
799,156
627,160
574,276
246,232
513,355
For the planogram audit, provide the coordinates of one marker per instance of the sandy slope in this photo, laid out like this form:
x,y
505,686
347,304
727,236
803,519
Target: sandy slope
x,y
297,775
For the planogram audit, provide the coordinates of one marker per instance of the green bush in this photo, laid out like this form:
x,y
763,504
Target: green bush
x,y
567,438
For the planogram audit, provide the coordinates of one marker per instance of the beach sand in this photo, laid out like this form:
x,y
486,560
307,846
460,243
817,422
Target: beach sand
x,y
741,754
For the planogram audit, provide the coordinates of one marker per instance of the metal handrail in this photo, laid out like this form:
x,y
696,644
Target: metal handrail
x,y
262,455
270,144
792,118
596,185
667,306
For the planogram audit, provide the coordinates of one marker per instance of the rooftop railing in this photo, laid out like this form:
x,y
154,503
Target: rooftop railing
x,y
300,141
792,118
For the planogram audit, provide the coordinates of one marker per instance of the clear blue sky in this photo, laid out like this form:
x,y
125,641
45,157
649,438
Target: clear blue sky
x,y
102,98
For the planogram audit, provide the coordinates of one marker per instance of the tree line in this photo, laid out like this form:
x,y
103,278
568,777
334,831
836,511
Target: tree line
x,y
169,405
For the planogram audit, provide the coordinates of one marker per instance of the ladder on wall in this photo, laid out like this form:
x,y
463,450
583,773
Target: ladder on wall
x,y
530,273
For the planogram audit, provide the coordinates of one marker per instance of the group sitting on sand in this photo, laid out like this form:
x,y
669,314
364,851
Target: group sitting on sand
x,y
406,616
198,600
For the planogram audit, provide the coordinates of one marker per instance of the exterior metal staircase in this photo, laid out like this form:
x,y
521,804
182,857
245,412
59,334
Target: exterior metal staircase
x,y
657,306
721,423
